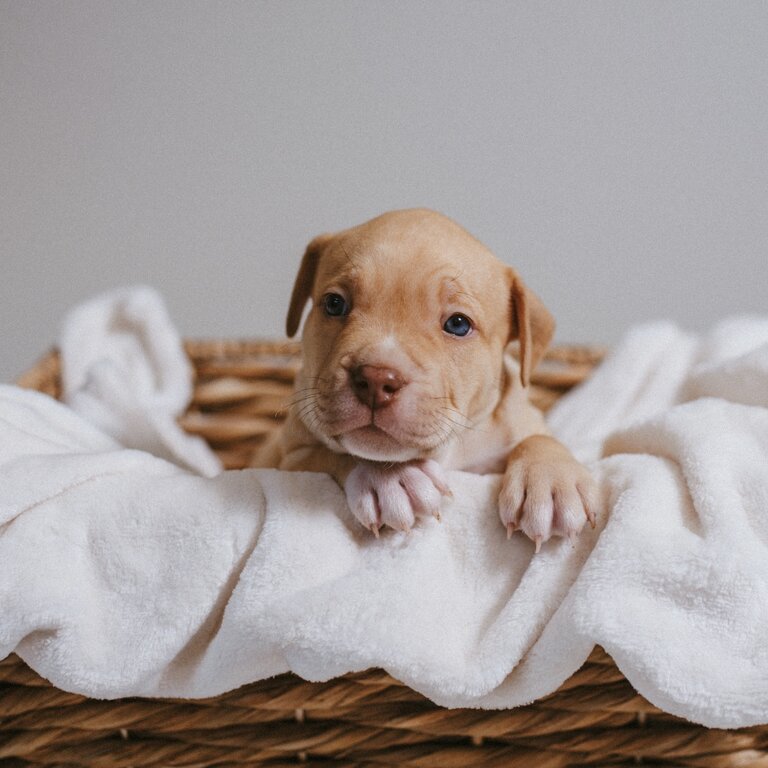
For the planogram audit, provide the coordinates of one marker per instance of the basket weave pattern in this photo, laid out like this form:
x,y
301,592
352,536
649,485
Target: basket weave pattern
x,y
364,720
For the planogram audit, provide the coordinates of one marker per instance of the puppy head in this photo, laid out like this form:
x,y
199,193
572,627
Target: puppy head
x,y
403,347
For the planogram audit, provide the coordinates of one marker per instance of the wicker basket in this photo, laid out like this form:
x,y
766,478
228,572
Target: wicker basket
x,y
364,720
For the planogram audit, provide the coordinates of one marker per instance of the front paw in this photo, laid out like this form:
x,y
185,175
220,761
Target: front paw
x,y
395,495
546,492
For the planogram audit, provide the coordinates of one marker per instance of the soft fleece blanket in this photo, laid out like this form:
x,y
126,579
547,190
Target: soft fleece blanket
x,y
123,573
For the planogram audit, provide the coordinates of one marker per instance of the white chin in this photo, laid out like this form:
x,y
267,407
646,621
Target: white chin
x,y
375,445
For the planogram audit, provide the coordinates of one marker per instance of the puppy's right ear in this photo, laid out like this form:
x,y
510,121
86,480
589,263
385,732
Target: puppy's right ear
x,y
305,279
532,325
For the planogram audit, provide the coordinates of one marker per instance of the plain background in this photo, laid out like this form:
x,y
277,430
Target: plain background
x,y
616,153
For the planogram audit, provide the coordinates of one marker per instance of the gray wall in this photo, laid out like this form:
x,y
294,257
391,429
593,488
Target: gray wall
x,y
616,152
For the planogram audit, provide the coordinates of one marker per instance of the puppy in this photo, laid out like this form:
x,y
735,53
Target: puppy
x,y
407,373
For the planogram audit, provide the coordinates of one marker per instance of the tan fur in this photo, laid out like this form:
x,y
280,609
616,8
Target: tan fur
x,y
463,403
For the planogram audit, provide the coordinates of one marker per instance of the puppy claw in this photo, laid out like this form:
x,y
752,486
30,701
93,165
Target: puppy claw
x,y
511,528
435,473
546,492
590,500
394,496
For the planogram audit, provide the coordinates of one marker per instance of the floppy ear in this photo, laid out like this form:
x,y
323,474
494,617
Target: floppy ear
x,y
532,325
305,279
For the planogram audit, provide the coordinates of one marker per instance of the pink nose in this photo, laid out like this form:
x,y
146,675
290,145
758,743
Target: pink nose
x,y
374,386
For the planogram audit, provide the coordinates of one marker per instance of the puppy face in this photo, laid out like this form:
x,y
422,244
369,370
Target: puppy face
x,y
403,347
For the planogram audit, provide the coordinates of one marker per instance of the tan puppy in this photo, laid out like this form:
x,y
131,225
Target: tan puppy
x,y
406,373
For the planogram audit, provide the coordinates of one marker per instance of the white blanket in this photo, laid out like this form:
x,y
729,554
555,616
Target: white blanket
x,y
124,369
122,573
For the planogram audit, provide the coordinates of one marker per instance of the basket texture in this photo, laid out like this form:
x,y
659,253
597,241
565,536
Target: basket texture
x,y
362,720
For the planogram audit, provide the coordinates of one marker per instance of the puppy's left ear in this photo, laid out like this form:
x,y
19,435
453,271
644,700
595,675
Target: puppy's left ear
x,y
305,280
532,325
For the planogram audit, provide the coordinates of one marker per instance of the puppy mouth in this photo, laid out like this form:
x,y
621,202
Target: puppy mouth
x,y
370,430
398,432
375,444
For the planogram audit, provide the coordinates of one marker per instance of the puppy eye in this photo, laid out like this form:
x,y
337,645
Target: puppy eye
x,y
335,305
458,325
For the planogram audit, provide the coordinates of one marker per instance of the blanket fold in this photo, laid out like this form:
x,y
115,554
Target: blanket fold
x,y
126,573
124,369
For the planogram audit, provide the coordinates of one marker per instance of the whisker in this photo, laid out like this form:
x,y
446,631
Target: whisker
x,y
306,409
465,423
302,398
445,433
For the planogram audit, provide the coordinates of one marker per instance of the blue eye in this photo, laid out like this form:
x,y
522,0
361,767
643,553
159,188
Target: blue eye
x,y
335,305
458,325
